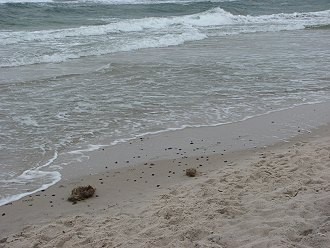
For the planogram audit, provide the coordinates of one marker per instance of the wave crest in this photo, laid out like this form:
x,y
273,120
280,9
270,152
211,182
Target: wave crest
x,y
132,34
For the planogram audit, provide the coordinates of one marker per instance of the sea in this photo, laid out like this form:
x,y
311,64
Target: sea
x,y
77,75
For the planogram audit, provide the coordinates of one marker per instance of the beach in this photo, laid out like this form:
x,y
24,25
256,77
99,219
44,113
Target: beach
x,y
198,123
274,195
77,76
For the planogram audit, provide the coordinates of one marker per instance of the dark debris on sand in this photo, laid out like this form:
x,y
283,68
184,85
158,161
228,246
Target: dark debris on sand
x,y
81,193
191,172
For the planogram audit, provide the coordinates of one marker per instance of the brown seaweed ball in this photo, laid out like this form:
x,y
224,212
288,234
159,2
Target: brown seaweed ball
x,y
191,172
81,193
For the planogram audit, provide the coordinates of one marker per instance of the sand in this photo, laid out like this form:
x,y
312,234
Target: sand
x,y
274,196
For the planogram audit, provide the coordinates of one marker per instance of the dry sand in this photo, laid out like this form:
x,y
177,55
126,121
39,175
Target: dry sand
x,y
269,197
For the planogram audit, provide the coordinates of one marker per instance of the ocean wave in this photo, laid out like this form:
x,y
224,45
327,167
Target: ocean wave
x,y
211,18
152,42
132,34
25,1
116,2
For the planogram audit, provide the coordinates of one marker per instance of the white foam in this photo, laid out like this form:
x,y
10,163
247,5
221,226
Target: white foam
x,y
211,18
182,127
26,120
56,177
149,42
90,148
132,34
32,175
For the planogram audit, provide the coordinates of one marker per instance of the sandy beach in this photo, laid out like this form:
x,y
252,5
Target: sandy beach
x,y
192,123
262,196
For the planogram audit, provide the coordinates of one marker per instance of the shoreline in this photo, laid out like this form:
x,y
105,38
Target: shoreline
x,y
131,188
149,56
259,131
92,148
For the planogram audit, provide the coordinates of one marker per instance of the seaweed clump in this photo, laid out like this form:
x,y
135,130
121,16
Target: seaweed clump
x,y
81,193
191,172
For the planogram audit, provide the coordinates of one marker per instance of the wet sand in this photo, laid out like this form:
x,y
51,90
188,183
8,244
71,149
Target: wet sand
x,y
247,193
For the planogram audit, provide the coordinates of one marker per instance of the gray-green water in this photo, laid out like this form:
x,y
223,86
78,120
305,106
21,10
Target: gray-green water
x,y
74,74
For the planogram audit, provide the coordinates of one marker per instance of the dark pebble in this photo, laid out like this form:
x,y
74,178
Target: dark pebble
x,y
3,214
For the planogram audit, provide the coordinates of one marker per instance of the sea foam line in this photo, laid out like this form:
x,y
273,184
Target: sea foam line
x,y
32,174
155,32
210,18
182,127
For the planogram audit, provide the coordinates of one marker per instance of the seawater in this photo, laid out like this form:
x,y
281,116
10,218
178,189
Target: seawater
x,y
76,74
